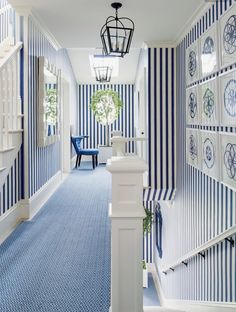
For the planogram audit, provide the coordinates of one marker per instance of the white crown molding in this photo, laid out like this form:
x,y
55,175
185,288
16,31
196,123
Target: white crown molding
x,y
40,24
204,6
27,11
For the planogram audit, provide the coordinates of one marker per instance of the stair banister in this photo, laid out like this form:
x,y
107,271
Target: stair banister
x,y
226,235
126,213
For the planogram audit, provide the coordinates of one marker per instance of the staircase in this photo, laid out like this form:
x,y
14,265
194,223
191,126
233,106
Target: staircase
x,y
10,106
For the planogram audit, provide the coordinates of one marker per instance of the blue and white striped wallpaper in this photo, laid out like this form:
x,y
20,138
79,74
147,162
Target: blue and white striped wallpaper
x,y
202,209
44,162
161,123
87,123
161,101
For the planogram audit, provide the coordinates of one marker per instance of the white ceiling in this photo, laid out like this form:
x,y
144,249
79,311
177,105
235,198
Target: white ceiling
x,y
76,25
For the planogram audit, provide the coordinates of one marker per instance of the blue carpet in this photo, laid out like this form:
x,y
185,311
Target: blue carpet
x,y
60,261
150,297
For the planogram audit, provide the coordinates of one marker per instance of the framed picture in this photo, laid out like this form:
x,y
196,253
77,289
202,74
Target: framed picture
x,y
209,51
209,102
192,105
228,98
228,159
192,64
210,153
192,147
228,37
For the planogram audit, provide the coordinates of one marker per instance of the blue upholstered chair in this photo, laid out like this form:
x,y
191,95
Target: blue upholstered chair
x,y
76,141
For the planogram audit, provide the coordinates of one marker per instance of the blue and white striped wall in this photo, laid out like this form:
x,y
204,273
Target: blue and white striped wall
x,y
44,162
161,123
202,209
87,123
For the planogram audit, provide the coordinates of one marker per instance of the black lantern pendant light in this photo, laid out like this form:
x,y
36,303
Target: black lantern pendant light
x,y
103,73
116,33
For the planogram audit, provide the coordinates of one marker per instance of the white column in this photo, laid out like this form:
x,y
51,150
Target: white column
x,y
126,213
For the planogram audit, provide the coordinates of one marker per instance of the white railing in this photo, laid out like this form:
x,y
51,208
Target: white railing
x,y
6,17
226,235
10,101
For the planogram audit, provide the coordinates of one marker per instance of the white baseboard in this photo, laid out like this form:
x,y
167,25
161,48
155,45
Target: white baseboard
x,y
189,305
9,221
27,209
30,207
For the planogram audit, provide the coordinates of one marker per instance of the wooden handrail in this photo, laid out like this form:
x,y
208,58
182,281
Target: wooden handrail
x,y
200,250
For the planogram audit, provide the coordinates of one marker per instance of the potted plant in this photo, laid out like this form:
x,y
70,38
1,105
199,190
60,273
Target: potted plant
x,y
106,106
147,224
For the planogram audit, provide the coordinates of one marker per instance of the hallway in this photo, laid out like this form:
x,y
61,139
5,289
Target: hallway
x,y
60,260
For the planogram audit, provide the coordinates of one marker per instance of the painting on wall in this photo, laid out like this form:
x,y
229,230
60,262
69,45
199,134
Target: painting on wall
x,y
192,105
228,98
228,37
210,153
228,159
209,103
192,64
209,51
192,147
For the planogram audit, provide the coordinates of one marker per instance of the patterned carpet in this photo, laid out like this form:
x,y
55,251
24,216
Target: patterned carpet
x,y
60,261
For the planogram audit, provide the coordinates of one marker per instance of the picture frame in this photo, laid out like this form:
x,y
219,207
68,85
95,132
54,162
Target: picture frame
x,y
228,159
193,147
209,102
209,51
210,154
48,103
227,37
192,63
192,105
228,98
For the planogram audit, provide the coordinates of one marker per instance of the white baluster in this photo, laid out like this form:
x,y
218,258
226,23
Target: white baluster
x,y
8,99
11,95
1,110
4,79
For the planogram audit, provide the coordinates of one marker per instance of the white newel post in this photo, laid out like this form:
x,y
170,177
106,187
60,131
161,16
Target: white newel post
x,y
126,213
